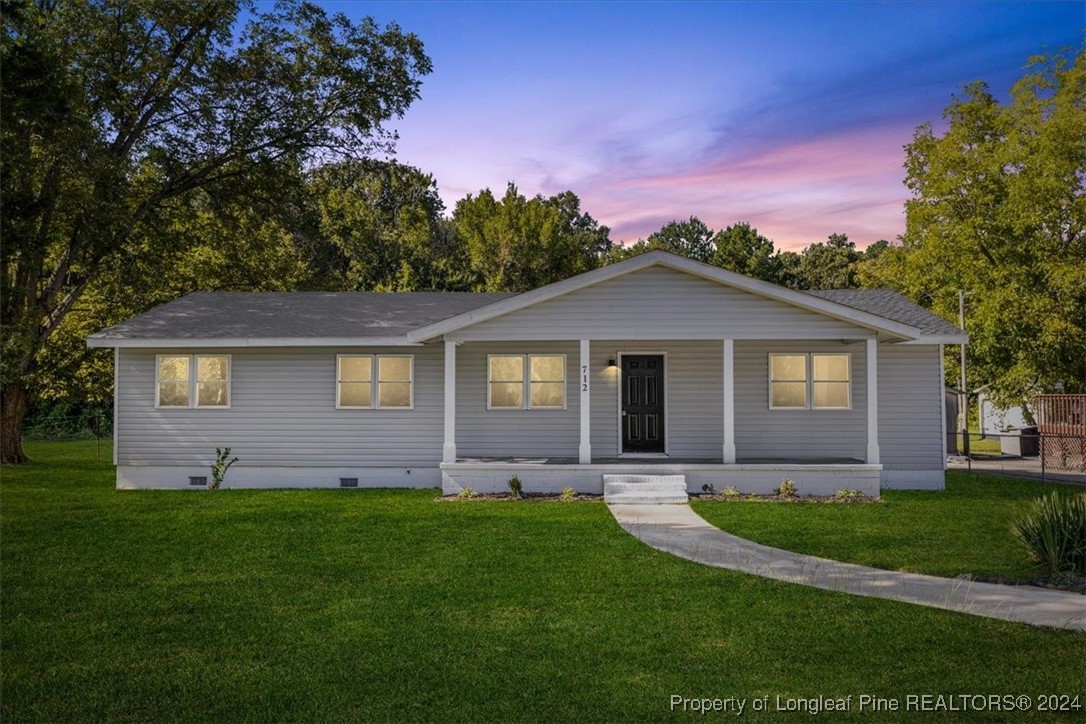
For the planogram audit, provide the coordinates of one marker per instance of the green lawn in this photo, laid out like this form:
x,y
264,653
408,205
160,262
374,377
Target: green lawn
x,y
963,529
387,605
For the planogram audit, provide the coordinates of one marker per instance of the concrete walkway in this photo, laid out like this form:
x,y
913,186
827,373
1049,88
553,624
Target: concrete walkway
x,y
678,530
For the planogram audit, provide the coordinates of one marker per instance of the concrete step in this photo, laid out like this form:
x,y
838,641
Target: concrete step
x,y
645,489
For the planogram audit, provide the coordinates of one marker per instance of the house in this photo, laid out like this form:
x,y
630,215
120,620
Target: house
x,y
657,366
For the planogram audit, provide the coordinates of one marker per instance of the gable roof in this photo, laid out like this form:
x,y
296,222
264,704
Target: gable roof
x,y
252,319
892,327
891,305
255,318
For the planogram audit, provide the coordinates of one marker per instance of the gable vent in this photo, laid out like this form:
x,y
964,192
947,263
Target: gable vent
x,y
348,482
198,480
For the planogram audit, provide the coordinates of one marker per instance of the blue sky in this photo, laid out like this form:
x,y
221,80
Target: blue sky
x,y
789,115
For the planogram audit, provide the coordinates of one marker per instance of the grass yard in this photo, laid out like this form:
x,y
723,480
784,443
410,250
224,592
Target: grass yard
x,y
387,605
963,529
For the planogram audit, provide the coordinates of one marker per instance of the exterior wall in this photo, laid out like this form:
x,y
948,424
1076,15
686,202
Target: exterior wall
x,y
659,303
282,414
257,476
479,431
910,410
764,433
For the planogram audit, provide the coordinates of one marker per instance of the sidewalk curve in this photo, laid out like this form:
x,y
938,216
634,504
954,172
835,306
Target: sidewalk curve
x,y
678,530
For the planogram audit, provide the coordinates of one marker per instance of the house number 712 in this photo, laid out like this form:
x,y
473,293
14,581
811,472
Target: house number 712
x,y
584,378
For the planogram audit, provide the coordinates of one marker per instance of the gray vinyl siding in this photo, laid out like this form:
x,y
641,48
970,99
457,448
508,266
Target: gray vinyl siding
x,y
694,396
910,405
764,433
659,303
283,412
480,431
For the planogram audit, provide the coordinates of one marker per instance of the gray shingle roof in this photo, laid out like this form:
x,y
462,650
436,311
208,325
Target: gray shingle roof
x,y
889,305
223,315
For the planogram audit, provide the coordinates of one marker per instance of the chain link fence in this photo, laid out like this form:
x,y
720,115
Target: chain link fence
x,y
58,426
1049,457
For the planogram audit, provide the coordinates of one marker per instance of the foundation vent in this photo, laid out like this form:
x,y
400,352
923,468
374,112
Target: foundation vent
x,y
348,482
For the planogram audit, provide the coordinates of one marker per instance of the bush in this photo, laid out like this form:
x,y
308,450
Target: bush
x,y
515,486
708,489
1053,531
731,492
219,468
848,494
466,493
787,488
567,494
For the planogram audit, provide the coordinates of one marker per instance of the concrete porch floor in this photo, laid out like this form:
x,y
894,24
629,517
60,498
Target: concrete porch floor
x,y
652,460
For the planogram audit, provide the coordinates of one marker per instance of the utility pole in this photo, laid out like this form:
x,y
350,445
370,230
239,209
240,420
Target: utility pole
x,y
964,405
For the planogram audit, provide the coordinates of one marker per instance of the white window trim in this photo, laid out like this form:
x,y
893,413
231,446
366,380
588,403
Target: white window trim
x,y
194,403
375,385
526,381
808,401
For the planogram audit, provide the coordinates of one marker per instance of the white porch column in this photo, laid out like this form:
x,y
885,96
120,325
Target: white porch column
x,y
448,454
729,401
585,452
872,401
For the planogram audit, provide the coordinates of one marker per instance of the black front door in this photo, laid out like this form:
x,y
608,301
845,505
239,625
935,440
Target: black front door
x,y
643,403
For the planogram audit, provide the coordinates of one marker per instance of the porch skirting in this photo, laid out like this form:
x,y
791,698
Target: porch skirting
x,y
761,478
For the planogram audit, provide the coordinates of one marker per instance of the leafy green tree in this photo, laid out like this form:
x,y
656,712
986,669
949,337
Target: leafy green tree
x,y
829,265
110,112
997,209
690,238
740,248
517,243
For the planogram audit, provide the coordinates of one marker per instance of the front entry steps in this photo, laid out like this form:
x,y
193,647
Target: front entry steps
x,y
645,489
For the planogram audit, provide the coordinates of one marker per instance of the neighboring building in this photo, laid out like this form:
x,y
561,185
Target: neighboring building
x,y
994,419
657,365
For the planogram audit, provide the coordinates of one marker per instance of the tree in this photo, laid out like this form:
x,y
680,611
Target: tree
x,y
829,265
690,238
997,208
740,248
112,111
518,244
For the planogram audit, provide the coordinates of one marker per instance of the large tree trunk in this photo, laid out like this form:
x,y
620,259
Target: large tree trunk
x,y
13,401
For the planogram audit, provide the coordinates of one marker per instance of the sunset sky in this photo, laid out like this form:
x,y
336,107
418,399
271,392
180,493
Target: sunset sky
x,y
791,116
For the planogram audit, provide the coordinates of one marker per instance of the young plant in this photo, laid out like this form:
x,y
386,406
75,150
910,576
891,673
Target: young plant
x,y
1053,530
731,492
223,461
466,493
787,488
848,494
708,489
567,494
515,486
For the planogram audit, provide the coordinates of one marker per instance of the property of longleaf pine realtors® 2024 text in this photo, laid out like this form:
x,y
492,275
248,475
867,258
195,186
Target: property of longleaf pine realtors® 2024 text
x,y
870,703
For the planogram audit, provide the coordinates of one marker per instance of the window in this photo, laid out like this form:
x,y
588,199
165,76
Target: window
x,y
526,382
809,382
357,374
177,386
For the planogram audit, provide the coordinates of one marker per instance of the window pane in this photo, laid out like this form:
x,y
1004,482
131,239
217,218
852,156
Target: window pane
x,y
394,394
548,369
354,394
547,394
355,369
173,394
506,394
173,369
830,394
830,367
507,369
212,368
788,367
394,369
211,394
789,394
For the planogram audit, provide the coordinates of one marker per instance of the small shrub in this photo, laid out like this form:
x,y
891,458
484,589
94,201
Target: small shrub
x,y
708,489
731,492
515,487
1053,530
787,488
466,493
567,494
848,494
219,468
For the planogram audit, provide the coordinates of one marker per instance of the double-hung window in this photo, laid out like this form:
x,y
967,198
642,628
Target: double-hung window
x,y
375,381
192,380
814,381
526,382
